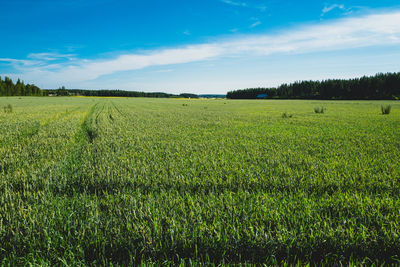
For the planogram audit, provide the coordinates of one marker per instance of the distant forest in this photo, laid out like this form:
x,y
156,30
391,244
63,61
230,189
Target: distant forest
x,y
381,86
117,93
8,88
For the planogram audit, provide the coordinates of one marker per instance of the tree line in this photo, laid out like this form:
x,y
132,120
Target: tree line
x,y
380,86
62,91
106,93
8,88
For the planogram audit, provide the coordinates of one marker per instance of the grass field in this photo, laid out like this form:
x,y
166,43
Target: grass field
x,y
128,181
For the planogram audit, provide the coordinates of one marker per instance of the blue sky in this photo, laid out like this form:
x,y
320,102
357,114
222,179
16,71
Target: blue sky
x,y
208,46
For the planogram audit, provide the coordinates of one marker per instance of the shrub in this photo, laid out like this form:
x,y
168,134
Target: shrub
x,y
386,109
320,109
8,108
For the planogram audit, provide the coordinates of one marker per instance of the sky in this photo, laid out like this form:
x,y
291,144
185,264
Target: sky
x,y
202,47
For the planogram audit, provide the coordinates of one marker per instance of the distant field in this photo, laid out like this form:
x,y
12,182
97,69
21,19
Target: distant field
x,y
127,181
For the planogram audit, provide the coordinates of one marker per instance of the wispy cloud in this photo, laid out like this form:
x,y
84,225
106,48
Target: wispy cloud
x,y
261,7
19,62
234,3
330,8
51,56
255,24
372,30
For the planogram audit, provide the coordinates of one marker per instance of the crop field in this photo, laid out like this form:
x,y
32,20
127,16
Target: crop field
x,y
124,181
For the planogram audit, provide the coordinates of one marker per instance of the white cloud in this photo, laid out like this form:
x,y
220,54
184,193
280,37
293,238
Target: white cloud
x,y
261,8
19,62
51,56
371,30
234,3
327,9
255,24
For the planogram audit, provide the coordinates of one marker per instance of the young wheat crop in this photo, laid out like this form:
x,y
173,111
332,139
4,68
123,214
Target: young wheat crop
x,y
98,181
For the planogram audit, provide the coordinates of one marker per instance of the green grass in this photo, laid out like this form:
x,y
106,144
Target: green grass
x,y
125,181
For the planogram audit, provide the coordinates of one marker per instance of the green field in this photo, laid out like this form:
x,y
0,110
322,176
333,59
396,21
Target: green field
x,y
168,181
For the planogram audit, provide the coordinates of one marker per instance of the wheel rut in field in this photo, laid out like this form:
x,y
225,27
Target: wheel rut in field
x,y
72,171
114,112
79,171
57,176
118,110
89,124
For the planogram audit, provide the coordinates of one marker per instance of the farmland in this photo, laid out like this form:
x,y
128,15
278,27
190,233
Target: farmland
x,y
134,180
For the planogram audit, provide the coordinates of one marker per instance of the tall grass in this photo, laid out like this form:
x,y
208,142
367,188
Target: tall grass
x,y
286,115
319,109
8,108
385,109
